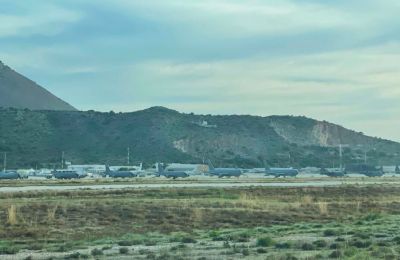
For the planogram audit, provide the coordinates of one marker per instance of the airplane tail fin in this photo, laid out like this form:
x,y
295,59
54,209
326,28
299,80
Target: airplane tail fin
x,y
267,168
160,169
141,167
210,165
107,169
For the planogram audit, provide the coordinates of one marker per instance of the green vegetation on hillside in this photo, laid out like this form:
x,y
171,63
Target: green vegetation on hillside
x,y
37,138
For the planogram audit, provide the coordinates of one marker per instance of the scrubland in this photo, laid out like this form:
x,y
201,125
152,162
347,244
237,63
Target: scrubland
x,y
344,222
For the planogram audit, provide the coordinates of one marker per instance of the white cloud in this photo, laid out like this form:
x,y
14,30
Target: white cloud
x,y
41,19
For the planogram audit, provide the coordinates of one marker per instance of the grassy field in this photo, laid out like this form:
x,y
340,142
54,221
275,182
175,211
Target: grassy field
x,y
346,222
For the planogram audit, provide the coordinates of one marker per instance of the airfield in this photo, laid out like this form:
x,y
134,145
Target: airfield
x,y
201,217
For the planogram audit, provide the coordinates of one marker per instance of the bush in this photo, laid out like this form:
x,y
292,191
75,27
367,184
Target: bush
x,y
320,243
335,246
360,243
336,254
150,243
8,250
307,247
97,251
283,245
123,250
75,255
188,240
125,243
396,240
350,251
245,252
372,216
265,242
261,251
227,245
330,233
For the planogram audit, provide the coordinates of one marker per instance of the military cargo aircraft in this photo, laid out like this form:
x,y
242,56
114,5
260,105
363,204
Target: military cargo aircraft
x,y
9,175
65,174
333,172
223,172
281,172
119,174
170,174
365,169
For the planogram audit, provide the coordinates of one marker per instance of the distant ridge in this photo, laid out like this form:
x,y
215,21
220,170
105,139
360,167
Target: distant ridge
x,y
157,134
18,91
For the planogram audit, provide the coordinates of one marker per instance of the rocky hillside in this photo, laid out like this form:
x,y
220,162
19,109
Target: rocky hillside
x,y
19,92
158,134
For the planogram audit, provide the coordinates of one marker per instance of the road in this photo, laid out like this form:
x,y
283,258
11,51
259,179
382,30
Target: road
x,y
328,183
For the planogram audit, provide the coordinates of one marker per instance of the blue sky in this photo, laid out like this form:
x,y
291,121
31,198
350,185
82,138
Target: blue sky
x,y
332,60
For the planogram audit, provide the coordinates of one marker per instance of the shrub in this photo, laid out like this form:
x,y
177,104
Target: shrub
x,y
320,243
372,216
360,243
245,252
265,242
123,250
336,254
75,255
261,251
8,250
396,240
350,251
290,257
330,233
362,235
283,245
188,240
226,244
307,247
150,243
125,243
96,251
335,246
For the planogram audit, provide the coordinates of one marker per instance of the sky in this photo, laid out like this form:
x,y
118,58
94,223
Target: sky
x,y
336,60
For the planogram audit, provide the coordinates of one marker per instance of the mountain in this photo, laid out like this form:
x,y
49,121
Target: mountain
x,y
20,92
37,138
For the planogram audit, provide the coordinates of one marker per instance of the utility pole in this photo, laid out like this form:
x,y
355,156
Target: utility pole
x,y
365,157
62,160
341,156
128,157
5,161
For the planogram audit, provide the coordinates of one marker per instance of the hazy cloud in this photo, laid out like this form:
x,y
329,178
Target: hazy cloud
x,y
333,60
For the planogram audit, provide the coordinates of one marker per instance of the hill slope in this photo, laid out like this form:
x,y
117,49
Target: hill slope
x,y
20,92
159,134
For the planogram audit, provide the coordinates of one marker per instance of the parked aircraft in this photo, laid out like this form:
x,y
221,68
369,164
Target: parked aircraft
x,y
9,175
365,169
170,174
223,172
333,172
119,174
281,172
65,174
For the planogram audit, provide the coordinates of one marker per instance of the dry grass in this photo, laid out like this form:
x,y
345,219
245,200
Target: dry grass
x,y
323,208
307,200
51,213
97,214
12,215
